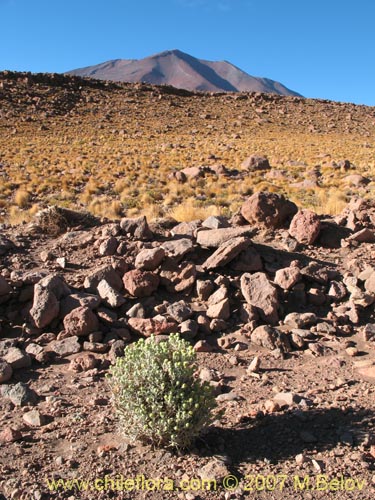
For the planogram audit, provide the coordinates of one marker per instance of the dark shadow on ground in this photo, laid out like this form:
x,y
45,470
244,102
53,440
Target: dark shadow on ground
x,y
277,436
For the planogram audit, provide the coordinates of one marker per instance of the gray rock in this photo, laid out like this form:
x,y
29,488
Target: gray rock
x,y
270,338
17,358
20,394
260,293
213,238
103,273
108,246
6,371
109,294
216,222
65,347
300,320
204,289
177,248
34,418
179,311
137,227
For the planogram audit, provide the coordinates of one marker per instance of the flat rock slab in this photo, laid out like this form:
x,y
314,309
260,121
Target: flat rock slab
x,y
213,238
226,252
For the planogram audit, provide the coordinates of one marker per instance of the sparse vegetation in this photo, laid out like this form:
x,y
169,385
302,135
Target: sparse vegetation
x,y
157,397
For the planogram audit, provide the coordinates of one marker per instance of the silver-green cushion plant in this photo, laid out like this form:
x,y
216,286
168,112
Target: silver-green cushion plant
x,y
158,398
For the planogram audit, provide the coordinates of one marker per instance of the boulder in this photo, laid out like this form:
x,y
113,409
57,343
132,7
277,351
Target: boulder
x,y
268,210
305,227
110,295
107,273
255,163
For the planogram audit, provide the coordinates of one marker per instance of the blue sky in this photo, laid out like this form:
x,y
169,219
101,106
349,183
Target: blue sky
x,y
318,48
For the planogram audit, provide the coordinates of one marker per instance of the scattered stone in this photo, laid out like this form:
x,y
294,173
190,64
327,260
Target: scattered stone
x,y
147,327
219,310
110,295
6,371
10,435
305,227
81,322
254,366
20,394
65,347
137,227
288,277
83,363
255,163
203,346
214,238
140,283
17,358
179,311
260,293
300,320
34,418
270,338
149,259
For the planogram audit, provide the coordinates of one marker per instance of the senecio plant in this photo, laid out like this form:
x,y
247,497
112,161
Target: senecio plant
x,y
158,399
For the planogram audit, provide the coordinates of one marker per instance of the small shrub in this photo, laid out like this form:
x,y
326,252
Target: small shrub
x,y
157,397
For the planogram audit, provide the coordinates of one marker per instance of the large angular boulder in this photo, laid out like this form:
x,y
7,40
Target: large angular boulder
x,y
262,294
305,227
140,283
268,210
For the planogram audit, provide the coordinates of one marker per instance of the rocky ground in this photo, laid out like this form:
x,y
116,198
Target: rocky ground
x,y
279,305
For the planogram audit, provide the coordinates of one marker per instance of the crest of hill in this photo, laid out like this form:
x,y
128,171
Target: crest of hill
x,y
181,70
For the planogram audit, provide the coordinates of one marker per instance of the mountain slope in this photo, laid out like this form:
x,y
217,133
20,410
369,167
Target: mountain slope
x,y
181,70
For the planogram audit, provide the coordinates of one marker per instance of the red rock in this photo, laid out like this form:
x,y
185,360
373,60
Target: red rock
x,y
140,283
81,322
305,227
287,277
10,435
219,310
149,326
83,363
203,346
269,210
149,258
